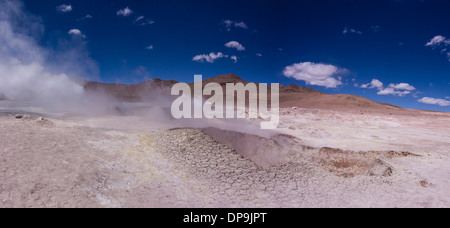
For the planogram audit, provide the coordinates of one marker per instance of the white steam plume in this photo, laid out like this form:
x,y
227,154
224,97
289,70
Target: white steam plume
x,y
30,72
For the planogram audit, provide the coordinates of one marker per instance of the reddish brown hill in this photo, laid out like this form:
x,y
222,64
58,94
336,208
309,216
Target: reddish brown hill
x,y
232,78
290,96
224,79
333,101
131,93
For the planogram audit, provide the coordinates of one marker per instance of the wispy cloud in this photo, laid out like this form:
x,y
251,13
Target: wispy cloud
x,y
141,20
209,58
240,25
236,45
375,28
259,54
234,58
64,8
315,74
440,42
125,12
228,24
88,16
237,24
434,101
142,71
351,31
150,47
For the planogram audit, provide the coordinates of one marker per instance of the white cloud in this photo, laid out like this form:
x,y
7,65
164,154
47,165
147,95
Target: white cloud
x,y
400,89
88,16
150,47
234,58
314,74
125,12
235,44
402,86
259,54
142,21
392,91
210,58
240,25
229,24
64,8
438,40
351,30
374,84
139,19
434,101
76,32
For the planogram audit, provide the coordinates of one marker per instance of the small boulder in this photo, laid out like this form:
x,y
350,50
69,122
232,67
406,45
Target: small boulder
x,y
44,122
24,117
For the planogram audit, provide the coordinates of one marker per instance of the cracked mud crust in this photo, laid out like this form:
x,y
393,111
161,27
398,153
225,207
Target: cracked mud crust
x,y
49,162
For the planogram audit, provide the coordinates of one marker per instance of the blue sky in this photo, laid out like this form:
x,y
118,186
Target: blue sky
x,y
389,51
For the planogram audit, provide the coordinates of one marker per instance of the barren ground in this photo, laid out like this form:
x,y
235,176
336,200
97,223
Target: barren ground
x,y
317,158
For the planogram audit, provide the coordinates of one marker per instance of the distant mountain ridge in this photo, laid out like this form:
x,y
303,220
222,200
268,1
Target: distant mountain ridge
x,y
290,96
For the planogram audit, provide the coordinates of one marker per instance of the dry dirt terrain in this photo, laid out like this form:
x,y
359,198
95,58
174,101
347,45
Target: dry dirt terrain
x,y
317,158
